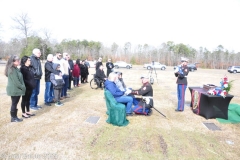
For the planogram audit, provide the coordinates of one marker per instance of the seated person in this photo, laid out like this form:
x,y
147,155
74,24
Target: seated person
x,y
147,96
100,75
119,82
118,94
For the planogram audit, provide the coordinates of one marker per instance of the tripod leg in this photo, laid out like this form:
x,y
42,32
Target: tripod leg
x,y
156,74
160,113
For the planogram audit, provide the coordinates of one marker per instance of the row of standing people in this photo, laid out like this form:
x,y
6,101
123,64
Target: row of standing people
x,y
25,81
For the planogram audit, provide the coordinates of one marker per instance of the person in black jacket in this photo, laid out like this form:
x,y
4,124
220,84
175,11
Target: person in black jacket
x,y
49,95
181,73
37,70
58,83
71,65
99,63
109,66
83,69
28,78
101,75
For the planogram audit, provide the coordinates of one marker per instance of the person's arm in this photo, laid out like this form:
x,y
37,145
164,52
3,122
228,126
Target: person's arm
x,y
114,90
50,68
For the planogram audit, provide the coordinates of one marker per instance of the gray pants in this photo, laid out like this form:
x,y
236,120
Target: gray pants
x,y
57,94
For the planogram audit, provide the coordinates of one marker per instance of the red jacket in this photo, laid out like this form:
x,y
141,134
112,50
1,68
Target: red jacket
x,y
76,71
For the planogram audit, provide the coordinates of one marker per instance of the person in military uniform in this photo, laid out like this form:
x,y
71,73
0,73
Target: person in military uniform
x,y
146,102
181,72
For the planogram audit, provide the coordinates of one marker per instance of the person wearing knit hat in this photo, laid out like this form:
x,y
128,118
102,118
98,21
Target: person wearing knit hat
x,y
181,72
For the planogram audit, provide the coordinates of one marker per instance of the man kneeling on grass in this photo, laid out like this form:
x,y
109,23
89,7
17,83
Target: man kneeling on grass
x,y
145,104
58,83
118,94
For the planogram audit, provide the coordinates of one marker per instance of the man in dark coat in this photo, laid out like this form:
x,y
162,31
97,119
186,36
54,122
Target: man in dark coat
x,y
49,94
101,75
109,66
37,70
70,62
99,63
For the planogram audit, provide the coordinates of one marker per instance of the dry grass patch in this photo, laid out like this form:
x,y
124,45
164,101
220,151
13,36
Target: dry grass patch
x,y
62,131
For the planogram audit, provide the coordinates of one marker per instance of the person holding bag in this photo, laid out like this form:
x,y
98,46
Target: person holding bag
x,y
15,85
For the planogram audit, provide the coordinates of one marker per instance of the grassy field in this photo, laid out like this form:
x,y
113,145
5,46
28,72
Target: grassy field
x,y
62,133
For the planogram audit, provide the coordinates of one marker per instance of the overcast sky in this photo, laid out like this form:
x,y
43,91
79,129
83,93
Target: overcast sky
x,y
206,23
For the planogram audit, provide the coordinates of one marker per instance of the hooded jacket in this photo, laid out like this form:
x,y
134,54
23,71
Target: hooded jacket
x,y
56,78
112,87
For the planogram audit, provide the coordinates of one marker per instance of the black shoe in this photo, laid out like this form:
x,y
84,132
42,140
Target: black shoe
x,y
47,104
25,116
129,114
32,114
14,117
178,110
52,101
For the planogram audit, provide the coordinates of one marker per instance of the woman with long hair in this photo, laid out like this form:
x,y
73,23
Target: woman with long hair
x,y
28,78
15,86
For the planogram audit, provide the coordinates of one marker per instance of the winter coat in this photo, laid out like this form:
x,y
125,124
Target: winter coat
x,y
109,66
48,70
120,85
36,65
76,71
111,86
98,64
56,78
28,77
83,69
100,75
15,85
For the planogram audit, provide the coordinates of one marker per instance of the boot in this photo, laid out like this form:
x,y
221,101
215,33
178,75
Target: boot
x,y
14,117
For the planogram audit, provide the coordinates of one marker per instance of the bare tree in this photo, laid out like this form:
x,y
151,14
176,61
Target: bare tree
x,y
23,24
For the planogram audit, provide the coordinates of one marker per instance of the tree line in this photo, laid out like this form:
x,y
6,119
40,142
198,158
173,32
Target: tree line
x,y
167,53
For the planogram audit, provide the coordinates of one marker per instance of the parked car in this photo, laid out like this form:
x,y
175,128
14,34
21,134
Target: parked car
x,y
155,65
122,64
191,67
234,69
92,64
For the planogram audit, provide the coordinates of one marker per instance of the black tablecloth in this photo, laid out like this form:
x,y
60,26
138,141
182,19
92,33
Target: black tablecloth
x,y
209,106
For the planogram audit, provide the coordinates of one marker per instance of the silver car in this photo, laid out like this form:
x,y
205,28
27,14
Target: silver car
x,y
122,64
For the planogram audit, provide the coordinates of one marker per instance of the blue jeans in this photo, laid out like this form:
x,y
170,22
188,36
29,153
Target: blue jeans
x,y
35,93
48,95
181,88
65,87
126,100
75,81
